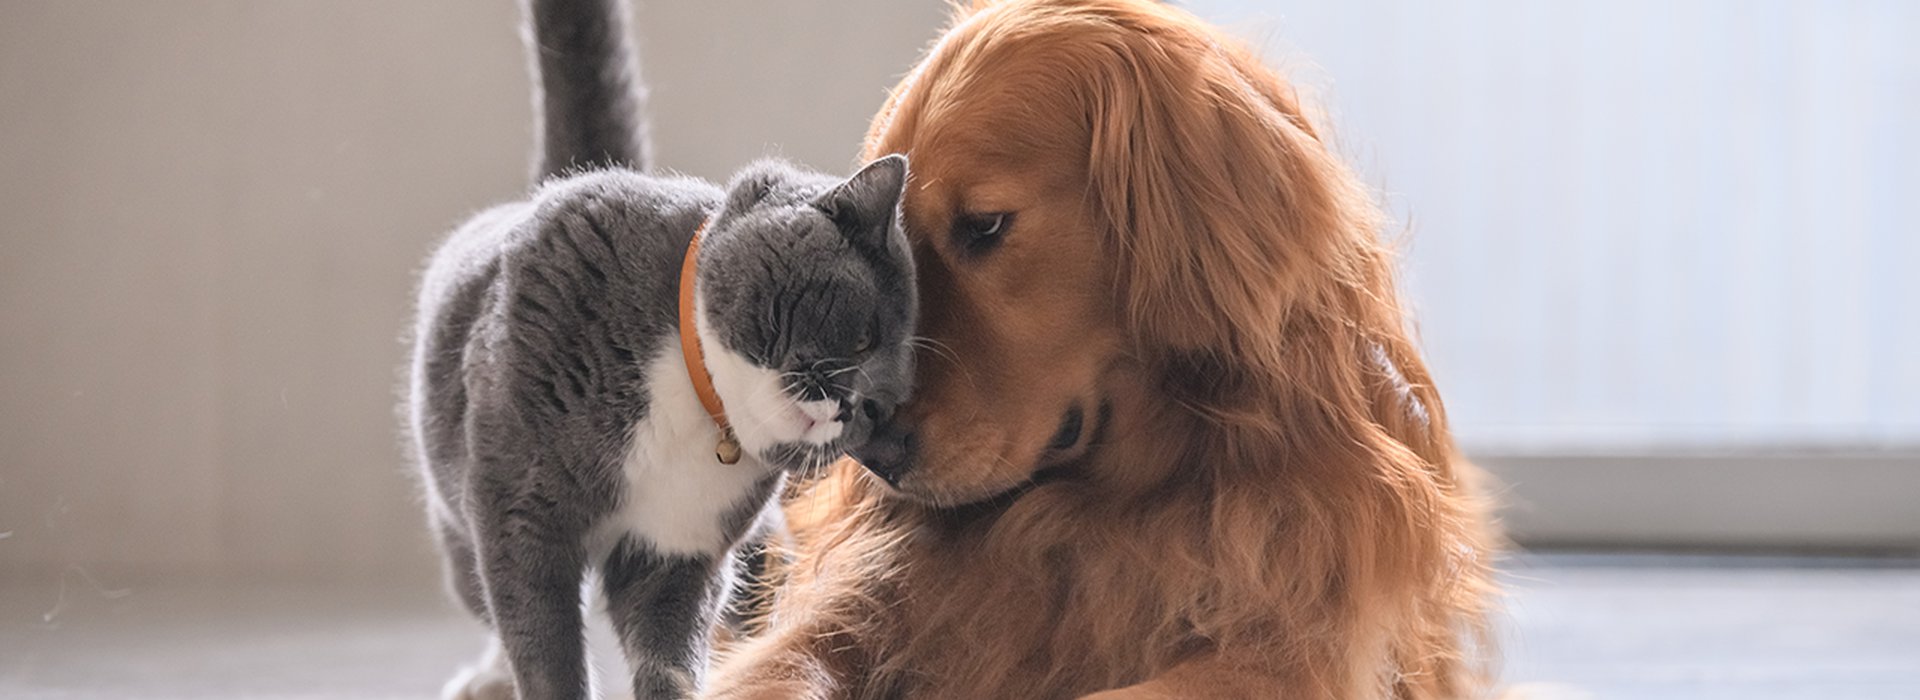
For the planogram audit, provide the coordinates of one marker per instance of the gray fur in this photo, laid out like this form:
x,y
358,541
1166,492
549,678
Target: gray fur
x,y
587,96
531,378
536,324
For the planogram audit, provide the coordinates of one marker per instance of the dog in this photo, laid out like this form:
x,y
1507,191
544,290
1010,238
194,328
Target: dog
x,y
1172,436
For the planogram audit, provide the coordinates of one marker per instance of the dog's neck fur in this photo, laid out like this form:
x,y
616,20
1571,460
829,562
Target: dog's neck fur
x,y
1080,560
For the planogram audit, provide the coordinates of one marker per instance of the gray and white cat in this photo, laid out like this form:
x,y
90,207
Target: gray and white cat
x,y
553,412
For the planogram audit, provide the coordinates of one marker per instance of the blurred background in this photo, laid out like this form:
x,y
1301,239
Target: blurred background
x,y
1662,256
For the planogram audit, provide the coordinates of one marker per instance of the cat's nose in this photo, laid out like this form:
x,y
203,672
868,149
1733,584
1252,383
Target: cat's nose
x,y
890,452
814,387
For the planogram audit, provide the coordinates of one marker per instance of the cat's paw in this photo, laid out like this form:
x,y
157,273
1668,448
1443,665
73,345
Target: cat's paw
x,y
489,679
479,683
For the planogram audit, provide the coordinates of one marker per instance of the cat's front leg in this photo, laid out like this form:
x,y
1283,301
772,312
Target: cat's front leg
x,y
665,607
532,565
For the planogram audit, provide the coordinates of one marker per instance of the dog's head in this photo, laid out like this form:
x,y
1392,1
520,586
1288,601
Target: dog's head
x,y
1104,190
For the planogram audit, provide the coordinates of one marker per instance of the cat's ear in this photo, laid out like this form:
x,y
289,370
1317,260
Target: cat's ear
x,y
865,205
753,184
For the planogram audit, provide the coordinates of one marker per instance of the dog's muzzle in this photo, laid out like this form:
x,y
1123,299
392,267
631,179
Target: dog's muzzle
x,y
889,453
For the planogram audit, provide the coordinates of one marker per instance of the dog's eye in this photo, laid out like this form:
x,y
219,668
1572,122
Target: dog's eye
x,y
979,233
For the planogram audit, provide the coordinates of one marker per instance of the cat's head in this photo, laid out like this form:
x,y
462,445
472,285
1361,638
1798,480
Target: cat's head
x,y
806,304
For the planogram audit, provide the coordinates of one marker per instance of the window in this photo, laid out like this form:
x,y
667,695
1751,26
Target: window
x,y
1657,250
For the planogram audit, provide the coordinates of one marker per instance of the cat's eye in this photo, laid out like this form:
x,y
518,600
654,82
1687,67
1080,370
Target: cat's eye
x,y
864,344
978,233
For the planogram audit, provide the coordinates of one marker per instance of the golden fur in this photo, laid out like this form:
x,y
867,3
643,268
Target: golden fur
x,y
1275,508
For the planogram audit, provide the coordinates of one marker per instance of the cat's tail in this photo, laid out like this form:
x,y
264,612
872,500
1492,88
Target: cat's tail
x,y
589,104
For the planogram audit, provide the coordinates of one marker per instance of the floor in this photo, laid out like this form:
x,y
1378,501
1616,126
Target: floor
x,y
1702,628
1578,626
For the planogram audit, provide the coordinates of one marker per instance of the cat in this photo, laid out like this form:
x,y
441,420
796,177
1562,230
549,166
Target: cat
x,y
555,403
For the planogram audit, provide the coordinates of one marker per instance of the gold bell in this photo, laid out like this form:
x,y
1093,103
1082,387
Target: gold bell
x,y
728,450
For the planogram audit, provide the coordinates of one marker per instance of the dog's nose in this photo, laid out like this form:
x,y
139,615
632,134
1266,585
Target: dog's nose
x,y
890,452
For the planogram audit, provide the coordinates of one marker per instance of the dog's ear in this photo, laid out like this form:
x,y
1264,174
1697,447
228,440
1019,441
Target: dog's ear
x,y
1225,210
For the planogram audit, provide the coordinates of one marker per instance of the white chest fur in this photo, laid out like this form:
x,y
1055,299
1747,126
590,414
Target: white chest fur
x,y
678,497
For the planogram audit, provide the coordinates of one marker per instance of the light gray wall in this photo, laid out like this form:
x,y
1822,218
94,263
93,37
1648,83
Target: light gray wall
x,y
212,212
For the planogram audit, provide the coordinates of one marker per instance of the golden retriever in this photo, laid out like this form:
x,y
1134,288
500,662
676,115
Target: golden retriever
x,y
1172,437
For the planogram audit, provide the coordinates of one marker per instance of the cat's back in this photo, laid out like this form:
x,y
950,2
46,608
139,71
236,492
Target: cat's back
x,y
587,264
596,258
644,217
638,223
602,232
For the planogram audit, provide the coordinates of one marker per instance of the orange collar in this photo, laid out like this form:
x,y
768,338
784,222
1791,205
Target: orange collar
x,y
728,448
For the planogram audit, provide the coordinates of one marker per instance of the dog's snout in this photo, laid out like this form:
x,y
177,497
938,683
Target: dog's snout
x,y
890,452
